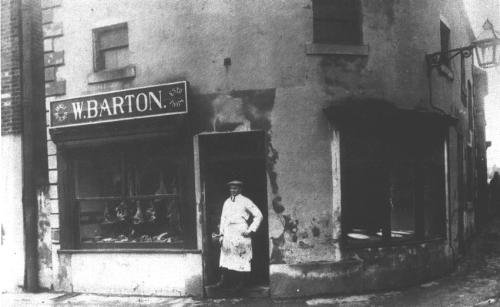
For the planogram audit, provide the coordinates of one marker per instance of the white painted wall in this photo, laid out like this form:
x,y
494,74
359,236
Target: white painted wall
x,y
136,274
11,215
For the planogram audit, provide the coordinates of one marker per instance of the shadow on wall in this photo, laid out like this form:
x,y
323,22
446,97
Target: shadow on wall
x,y
241,110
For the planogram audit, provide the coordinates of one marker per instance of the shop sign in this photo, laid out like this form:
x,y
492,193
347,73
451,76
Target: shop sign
x,y
143,102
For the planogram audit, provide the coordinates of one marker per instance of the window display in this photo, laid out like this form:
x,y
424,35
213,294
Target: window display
x,y
128,198
392,186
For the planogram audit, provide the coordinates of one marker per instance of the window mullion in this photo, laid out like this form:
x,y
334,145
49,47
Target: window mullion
x,y
124,176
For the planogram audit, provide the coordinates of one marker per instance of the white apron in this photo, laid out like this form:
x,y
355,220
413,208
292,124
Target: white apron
x,y
236,250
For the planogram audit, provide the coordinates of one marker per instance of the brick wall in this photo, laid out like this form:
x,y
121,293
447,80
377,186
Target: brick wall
x,y
11,68
22,59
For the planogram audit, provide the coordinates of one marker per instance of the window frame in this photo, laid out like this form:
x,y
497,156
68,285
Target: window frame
x,y
70,209
420,205
98,57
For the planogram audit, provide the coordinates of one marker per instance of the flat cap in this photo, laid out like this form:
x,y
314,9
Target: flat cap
x,y
235,182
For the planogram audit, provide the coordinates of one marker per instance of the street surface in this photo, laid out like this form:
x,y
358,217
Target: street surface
x,y
476,282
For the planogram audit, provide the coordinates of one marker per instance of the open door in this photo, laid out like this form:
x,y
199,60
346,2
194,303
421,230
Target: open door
x,y
223,157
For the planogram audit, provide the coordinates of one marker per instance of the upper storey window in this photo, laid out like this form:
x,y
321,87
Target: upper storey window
x,y
111,47
337,22
445,43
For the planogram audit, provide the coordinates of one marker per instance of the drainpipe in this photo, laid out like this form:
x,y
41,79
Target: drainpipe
x,y
34,170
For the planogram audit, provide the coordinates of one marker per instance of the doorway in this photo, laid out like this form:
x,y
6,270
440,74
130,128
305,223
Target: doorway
x,y
224,157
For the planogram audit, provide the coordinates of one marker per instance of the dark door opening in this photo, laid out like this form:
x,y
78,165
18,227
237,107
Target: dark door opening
x,y
225,157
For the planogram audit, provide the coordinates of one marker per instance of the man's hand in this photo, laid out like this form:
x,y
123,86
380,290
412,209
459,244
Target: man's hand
x,y
247,234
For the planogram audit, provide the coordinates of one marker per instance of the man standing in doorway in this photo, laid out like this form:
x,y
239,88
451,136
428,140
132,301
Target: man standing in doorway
x,y
240,219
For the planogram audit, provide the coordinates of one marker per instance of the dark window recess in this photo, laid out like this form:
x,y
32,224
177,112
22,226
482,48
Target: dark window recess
x,y
337,22
470,174
463,82
392,186
470,105
111,47
445,43
469,154
128,197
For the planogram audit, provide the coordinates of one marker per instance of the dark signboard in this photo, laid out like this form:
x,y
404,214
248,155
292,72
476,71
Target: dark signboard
x,y
143,102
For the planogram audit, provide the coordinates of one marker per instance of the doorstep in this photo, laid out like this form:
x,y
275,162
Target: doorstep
x,y
248,292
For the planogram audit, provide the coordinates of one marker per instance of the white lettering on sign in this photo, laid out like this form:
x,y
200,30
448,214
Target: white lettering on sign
x,y
156,100
143,102
105,107
129,102
138,102
117,105
77,109
92,108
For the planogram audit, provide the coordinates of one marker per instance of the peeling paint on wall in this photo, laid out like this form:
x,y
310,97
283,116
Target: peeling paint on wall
x,y
364,269
44,240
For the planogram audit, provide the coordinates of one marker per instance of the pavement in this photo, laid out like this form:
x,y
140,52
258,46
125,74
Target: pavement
x,y
476,282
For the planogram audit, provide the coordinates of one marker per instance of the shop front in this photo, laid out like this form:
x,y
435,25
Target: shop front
x,y
127,216
142,180
141,192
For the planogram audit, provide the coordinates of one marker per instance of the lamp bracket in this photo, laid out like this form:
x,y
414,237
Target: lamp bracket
x,y
437,58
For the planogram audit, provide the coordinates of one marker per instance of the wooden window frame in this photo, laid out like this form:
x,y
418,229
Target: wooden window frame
x,y
419,217
70,211
98,58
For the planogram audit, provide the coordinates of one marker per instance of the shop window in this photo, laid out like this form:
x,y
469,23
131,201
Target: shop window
x,y
445,43
337,22
392,186
129,197
111,47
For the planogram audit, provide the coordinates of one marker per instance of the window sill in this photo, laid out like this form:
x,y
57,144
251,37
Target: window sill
x,y
383,244
446,71
325,49
130,251
126,72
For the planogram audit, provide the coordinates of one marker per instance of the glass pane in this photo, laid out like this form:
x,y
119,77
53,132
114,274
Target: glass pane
x,y
129,198
98,175
115,58
336,9
365,215
434,195
152,175
113,38
402,200
154,220
336,32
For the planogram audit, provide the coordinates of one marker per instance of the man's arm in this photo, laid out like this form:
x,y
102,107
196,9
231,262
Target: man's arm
x,y
222,224
257,216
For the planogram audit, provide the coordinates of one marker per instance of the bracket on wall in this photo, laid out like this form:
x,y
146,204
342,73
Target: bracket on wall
x,y
438,58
